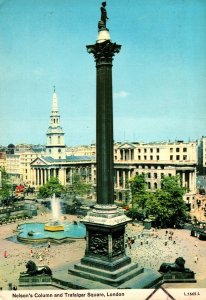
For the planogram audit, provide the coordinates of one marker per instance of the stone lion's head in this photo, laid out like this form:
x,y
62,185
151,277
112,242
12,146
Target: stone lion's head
x,y
31,266
180,261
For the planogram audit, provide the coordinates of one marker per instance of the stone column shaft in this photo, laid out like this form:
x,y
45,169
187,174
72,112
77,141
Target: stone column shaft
x,y
103,52
117,178
104,135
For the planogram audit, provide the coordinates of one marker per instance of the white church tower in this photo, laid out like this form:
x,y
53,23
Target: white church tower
x,y
55,146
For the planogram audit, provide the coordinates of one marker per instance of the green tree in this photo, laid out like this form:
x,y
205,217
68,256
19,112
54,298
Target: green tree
x,y
6,186
78,187
53,186
168,205
139,195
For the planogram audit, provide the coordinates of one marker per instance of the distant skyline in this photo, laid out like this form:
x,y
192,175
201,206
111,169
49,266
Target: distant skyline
x,y
159,76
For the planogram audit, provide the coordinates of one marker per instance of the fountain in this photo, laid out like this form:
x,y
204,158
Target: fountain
x,y
55,224
55,230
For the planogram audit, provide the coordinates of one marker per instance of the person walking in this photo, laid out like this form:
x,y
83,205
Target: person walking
x,y
31,253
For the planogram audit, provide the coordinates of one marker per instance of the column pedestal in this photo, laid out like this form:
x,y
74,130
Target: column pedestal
x,y
105,264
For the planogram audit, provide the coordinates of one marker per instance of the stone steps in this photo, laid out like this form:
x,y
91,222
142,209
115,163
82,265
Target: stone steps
x,y
106,277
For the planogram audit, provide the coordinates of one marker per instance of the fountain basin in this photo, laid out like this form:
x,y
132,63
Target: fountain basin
x,y
36,233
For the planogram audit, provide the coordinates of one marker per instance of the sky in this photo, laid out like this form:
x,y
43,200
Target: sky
x,y
159,76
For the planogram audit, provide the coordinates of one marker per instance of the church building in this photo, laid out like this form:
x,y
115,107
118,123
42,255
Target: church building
x,y
55,162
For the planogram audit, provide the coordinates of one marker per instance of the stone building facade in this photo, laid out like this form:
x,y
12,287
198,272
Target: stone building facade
x,y
156,160
202,156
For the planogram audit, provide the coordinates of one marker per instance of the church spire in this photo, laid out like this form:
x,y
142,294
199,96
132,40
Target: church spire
x,y
55,146
54,102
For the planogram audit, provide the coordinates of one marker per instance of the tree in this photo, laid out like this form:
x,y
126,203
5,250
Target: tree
x,y
166,204
51,187
78,187
139,195
6,186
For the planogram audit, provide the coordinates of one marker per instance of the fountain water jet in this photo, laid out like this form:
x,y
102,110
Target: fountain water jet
x,y
55,224
53,231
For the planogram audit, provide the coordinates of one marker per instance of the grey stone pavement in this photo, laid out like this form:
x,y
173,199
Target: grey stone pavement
x,y
151,253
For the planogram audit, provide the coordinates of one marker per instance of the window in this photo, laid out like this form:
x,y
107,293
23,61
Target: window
x,y
59,150
155,175
149,175
155,185
145,157
158,150
162,175
158,157
184,157
149,185
171,150
139,157
151,157
151,150
177,157
184,149
145,150
177,149
171,157
139,150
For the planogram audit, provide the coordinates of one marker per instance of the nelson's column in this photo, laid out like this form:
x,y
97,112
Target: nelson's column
x,y
105,263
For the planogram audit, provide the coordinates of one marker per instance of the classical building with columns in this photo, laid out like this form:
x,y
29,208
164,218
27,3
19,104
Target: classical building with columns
x,y
156,160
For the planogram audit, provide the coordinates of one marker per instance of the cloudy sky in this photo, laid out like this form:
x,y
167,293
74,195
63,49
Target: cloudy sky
x,y
159,77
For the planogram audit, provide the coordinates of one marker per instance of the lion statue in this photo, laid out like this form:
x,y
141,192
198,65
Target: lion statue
x,y
177,266
33,269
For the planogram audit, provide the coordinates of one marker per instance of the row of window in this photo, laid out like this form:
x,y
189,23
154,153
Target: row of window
x,y
177,157
151,157
151,150
178,149
155,175
151,167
